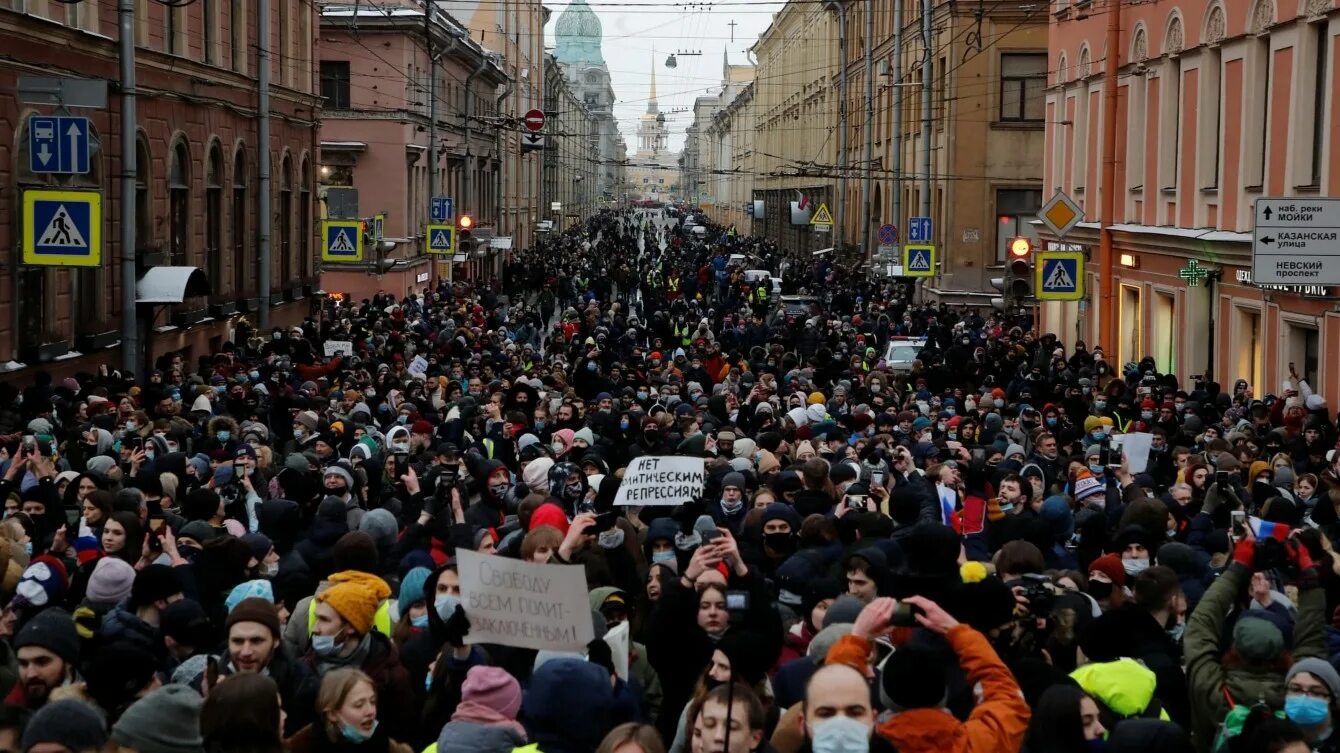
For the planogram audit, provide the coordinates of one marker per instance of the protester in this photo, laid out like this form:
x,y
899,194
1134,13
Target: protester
x,y
968,550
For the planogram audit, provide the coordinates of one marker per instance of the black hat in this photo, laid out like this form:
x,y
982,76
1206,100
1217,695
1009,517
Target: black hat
x,y
913,678
53,630
155,583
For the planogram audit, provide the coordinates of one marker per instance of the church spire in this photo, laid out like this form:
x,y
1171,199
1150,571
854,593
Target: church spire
x,y
651,101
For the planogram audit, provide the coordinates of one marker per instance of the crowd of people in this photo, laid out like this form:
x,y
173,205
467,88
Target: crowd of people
x,y
1011,543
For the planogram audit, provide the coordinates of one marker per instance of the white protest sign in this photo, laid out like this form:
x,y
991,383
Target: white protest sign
x,y
1136,446
418,366
617,638
338,346
514,603
661,480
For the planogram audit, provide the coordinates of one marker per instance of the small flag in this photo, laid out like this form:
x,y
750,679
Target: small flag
x,y
804,200
1264,529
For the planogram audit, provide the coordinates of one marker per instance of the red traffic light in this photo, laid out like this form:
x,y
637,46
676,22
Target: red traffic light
x,y
1020,247
465,222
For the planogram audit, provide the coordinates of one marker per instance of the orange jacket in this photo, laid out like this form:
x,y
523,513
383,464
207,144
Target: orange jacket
x,y
998,723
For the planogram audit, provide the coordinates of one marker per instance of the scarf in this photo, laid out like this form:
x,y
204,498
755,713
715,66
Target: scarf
x,y
477,713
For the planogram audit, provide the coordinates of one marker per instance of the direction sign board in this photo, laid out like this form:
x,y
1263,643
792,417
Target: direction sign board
x,y
918,260
440,238
443,209
342,241
1059,275
62,228
534,120
919,230
888,235
57,144
1061,214
532,141
1295,241
822,216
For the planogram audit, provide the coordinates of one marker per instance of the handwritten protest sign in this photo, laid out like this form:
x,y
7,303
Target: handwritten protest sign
x,y
661,480
522,604
418,366
344,347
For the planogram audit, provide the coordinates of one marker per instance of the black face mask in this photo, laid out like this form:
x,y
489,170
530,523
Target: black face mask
x,y
781,543
1100,590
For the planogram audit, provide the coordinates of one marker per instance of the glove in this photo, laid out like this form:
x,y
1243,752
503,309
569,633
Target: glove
x,y
1300,555
598,652
1212,500
1244,553
457,627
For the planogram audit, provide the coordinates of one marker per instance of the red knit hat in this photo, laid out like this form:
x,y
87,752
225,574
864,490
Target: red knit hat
x,y
549,514
1110,565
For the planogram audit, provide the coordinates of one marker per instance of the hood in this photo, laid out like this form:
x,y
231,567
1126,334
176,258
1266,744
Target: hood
x,y
556,689
1125,685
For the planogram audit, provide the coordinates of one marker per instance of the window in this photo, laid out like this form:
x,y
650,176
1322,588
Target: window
x,y
179,205
239,208
1022,80
286,222
1016,208
173,27
237,29
305,219
209,27
214,218
1321,47
335,84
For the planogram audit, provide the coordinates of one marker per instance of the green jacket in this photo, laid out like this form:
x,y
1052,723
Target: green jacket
x,y
1208,678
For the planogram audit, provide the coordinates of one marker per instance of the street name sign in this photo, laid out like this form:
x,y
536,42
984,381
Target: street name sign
x,y
1296,241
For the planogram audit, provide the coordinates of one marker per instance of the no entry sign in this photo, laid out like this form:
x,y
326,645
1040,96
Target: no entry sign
x,y
534,120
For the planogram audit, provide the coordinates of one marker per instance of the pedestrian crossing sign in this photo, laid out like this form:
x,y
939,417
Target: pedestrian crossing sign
x,y
342,241
62,228
1060,275
918,260
440,238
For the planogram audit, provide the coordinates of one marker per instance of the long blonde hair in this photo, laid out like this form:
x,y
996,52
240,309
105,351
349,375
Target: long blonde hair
x,y
335,689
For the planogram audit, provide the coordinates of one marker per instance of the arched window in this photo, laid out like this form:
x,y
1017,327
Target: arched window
x,y
214,218
285,222
239,230
179,205
305,219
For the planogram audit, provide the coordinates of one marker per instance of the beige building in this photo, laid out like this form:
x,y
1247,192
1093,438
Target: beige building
x,y
696,157
987,81
795,123
571,151
514,29
731,137
653,171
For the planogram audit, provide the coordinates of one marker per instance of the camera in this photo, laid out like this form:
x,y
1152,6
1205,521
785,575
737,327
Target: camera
x,y
1039,592
904,615
737,601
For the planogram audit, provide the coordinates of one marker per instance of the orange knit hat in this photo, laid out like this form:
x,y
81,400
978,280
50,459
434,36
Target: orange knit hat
x,y
355,597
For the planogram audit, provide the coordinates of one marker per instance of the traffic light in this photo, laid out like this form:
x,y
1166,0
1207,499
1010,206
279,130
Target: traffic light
x,y
379,246
1016,286
465,236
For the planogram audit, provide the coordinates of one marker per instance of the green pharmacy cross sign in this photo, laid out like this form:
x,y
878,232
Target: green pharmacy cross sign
x,y
1193,273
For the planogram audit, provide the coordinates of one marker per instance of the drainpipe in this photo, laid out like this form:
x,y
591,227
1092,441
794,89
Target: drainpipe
x,y
263,136
869,129
927,83
1107,309
898,113
432,98
508,86
841,204
130,332
467,180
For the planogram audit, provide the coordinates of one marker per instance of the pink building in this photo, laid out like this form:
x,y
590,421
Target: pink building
x,y
1218,104
375,69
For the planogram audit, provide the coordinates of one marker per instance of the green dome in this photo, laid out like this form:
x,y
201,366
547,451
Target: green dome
x,y
578,34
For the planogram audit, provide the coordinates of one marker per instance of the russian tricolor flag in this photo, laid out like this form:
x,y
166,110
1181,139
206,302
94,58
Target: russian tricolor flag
x,y
1264,529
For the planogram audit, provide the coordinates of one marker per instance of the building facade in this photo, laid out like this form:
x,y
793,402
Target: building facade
x,y
730,136
197,180
578,33
572,151
1218,104
695,159
988,68
653,170
795,121
375,133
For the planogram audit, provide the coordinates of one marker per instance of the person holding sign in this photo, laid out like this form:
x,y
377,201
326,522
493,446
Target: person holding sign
x,y
716,595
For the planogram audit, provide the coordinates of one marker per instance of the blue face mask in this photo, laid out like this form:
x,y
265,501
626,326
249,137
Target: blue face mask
x,y
446,604
1051,420
1097,469
840,734
1306,711
1098,436
539,424
1099,404
325,645
356,735
28,548
1147,415
623,425
666,556
641,396
419,622
223,436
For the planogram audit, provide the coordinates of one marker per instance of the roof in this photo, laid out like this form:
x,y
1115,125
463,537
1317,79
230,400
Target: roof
x,y
171,285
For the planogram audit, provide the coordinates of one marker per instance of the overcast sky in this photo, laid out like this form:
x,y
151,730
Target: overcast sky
x,y
633,27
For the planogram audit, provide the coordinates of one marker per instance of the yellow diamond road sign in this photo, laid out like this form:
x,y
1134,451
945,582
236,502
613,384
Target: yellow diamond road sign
x,y
1061,214
822,216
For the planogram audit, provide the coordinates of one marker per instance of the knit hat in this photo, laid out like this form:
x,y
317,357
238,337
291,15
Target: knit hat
x,y
1087,486
1256,637
536,475
1110,565
549,514
185,622
255,610
252,589
72,724
1226,462
111,581
260,545
164,721
355,597
493,688
53,630
190,672
355,550
155,583
844,609
913,678
421,427
339,470
733,479
43,582
1320,669
116,672
307,419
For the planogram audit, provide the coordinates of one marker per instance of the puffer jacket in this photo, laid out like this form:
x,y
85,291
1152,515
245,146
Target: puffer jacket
x,y
997,723
1210,682
470,737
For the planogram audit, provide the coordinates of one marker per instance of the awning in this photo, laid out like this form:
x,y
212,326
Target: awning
x,y
171,285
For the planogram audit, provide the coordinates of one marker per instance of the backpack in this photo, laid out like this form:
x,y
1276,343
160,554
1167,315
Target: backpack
x,y
1239,717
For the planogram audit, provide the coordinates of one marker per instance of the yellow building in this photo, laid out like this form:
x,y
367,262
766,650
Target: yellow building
x,y
795,119
653,171
987,79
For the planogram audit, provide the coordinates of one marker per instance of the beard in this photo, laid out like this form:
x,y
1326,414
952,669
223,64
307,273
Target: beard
x,y
36,693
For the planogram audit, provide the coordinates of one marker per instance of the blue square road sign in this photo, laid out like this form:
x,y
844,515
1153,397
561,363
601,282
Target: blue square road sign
x,y
58,144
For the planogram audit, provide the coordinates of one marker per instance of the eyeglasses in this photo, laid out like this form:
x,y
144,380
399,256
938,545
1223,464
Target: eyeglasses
x,y
1320,694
